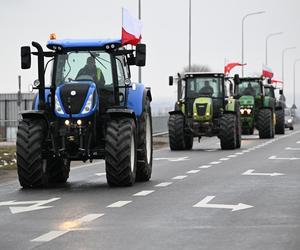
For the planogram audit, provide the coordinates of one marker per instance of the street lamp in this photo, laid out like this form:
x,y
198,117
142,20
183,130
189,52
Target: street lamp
x,y
140,17
294,86
190,35
267,39
243,21
283,53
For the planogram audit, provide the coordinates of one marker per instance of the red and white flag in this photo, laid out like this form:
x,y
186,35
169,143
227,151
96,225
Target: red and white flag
x,y
228,67
276,81
267,72
131,28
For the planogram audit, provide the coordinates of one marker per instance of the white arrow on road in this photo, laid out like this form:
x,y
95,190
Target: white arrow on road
x,y
173,159
250,172
289,148
36,205
273,157
204,204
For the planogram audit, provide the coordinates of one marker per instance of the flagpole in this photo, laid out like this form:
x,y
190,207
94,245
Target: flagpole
x,y
140,17
190,35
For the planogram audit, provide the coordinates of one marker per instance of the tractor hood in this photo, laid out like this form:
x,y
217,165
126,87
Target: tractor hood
x,y
76,99
202,109
247,100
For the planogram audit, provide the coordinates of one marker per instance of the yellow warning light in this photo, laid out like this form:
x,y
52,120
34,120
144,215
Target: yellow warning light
x,y
52,36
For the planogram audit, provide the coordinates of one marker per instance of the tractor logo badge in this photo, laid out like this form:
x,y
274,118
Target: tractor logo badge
x,y
73,93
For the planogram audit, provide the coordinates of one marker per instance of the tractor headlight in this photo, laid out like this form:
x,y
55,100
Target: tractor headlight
x,y
249,111
88,106
242,111
289,120
58,107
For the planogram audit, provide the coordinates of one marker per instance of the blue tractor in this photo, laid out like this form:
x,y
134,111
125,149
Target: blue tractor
x,y
90,110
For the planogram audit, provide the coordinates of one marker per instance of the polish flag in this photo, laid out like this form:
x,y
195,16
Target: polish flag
x,y
230,66
267,72
131,28
276,81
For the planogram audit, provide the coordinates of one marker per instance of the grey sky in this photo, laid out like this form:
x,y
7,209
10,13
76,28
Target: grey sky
x,y
216,34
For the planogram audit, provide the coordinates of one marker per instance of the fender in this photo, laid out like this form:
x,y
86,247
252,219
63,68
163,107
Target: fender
x,y
176,112
36,99
137,97
120,112
32,114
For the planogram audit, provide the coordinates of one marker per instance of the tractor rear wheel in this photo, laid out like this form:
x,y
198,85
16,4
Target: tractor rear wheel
x,y
32,168
58,170
279,127
145,149
176,132
120,148
265,124
228,131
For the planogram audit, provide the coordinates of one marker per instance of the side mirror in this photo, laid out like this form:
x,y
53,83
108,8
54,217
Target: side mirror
x,y
140,56
236,79
280,92
269,81
171,80
25,57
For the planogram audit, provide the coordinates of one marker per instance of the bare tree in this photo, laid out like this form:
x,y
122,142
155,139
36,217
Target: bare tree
x,y
197,68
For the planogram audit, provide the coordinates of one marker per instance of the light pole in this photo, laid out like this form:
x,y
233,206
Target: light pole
x,y
294,85
243,21
190,35
282,62
267,39
140,17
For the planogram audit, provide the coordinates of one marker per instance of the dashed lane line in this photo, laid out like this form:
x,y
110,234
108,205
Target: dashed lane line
x,y
164,184
239,153
224,159
195,171
179,177
214,162
119,204
144,193
68,226
100,174
232,156
205,166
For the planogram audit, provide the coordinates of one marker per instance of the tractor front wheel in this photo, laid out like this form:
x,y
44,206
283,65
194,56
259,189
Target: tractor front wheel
x,y
265,124
279,127
120,148
228,131
176,132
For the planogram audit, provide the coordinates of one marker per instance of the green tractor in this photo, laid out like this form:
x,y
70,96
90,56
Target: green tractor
x,y
277,94
203,109
257,109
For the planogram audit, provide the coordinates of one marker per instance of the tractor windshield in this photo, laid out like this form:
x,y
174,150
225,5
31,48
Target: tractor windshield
x,y
249,88
84,66
204,86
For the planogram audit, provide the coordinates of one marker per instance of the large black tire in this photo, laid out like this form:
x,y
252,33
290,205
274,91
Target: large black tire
x,y
228,131
279,127
121,156
176,132
189,141
265,124
58,170
145,148
32,168
238,129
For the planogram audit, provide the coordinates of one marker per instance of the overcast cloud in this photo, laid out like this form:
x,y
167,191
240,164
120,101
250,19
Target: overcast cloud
x,y
216,34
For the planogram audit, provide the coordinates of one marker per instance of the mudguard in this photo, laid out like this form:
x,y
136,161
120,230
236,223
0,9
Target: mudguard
x,y
121,112
232,105
136,98
36,99
32,114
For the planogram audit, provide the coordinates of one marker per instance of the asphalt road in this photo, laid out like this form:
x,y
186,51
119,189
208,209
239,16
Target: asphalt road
x,y
200,199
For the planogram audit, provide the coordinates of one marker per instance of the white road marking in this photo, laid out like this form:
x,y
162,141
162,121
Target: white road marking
x,y
215,162
210,150
49,236
294,149
232,156
179,177
193,171
185,158
251,172
144,193
164,184
245,151
36,205
298,142
274,157
239,153
72,226
89,218
204,204
224,159
119,204
205,166
89,165
100,174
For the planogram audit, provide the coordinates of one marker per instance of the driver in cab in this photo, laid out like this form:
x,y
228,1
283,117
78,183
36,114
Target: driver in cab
x,y
206,89
91,70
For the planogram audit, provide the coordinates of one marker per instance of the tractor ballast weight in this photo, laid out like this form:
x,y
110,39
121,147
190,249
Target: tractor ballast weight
x,y
204,110
95,112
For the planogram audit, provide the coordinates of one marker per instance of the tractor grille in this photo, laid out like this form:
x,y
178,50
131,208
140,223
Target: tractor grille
x,y
77,101
201,108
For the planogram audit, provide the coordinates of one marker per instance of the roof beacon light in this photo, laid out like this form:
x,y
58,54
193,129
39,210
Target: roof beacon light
x,y
52,36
